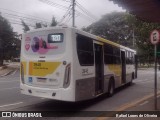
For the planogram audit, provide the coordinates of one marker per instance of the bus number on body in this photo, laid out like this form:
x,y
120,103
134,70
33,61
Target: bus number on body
x,y
37,64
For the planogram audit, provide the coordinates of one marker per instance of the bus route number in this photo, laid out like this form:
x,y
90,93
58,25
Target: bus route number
x,y
56,38
37,64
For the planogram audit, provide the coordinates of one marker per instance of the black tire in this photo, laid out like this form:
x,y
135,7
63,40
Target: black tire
x,y
111,87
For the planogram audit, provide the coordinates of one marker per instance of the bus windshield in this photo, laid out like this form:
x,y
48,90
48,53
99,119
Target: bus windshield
x,y
42,43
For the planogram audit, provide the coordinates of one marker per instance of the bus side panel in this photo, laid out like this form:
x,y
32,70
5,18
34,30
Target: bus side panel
x,y
84,76
85,89
129,71
106,81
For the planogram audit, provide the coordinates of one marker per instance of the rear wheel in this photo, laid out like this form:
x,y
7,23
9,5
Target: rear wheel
x,y
111,87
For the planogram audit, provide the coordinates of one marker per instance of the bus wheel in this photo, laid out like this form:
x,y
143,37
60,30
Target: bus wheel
x,y
111,87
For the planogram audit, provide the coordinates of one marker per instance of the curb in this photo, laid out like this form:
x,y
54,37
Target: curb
x,y
3,67
127,106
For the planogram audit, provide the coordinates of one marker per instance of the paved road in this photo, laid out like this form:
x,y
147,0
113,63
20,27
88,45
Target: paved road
x,y
11,99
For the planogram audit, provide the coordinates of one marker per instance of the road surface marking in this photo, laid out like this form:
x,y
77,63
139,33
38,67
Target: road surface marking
x,y
14,72
9,88
11,104
10,81
43,98
145,102
141,81
126,106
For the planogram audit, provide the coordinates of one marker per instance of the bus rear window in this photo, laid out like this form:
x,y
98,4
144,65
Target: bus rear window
x,y
55,38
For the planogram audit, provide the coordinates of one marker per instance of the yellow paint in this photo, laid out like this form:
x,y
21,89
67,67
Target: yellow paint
x,y
42,68
24,64
100,43
126,106
107,41
115,68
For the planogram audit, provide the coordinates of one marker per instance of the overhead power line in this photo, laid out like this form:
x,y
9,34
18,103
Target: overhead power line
x,y
65,15
84,10
68,19
23,14
54,4
21,24
19,21
14,16
66,0
85,16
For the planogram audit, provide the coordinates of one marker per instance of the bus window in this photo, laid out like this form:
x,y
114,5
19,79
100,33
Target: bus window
x,y
108,59
108,49
111,54
85,50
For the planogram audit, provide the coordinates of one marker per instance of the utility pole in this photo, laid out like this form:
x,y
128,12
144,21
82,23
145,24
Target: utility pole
x,y
133,38
73,13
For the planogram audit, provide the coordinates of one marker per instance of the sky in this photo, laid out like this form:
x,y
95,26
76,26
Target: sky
x,y
32,11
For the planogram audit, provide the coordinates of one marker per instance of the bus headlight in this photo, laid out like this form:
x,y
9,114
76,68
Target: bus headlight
x,y
67,76
22,73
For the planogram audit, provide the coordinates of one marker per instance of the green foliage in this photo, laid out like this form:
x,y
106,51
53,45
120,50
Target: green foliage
x,y
38,25
127,30
53,22
113,27
25,26
7,39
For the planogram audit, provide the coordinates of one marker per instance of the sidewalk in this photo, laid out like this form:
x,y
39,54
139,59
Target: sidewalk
x,y
8,68
145,107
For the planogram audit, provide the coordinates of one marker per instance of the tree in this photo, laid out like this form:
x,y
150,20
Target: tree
x,y
120,27
53,22
38,25
114,27
25,26
7,37
44,25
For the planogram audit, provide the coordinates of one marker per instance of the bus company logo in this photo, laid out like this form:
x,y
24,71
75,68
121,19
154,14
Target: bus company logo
x,y
27,43
27,46
6,114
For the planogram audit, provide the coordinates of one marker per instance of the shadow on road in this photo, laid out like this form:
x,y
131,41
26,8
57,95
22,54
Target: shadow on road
x,y
52,105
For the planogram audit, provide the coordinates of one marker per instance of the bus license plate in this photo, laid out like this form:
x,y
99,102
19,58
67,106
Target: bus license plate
x,y
41,80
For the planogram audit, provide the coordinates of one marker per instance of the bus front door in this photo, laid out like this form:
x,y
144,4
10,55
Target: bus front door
x,y
99,69
123,59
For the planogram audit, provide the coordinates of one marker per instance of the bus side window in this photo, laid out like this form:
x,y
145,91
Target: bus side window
x,y
111,54
85,50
